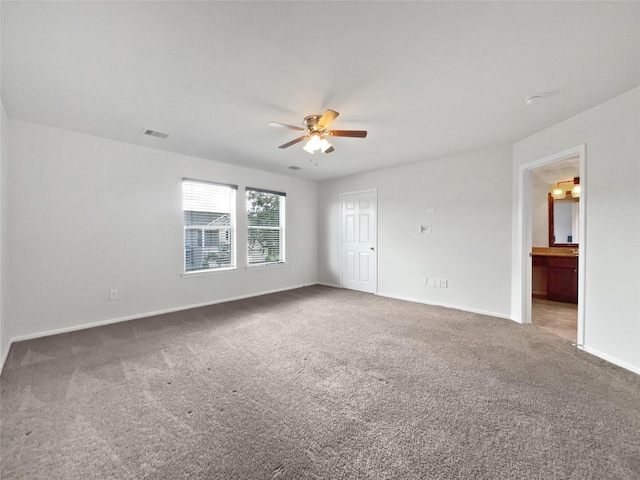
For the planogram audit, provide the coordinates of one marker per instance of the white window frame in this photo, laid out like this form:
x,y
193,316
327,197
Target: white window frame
x,y
203,229
281,228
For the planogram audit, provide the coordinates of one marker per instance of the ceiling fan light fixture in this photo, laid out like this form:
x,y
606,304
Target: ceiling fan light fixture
x,y
324,145
316,142
315,130
313,144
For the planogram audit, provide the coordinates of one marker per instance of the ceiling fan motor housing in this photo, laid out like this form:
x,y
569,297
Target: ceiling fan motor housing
x,y
311,122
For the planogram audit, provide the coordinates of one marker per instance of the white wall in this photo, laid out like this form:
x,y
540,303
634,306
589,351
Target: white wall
x,y
90,214
4,222
540,212
4,160
611,132
76,199
471,240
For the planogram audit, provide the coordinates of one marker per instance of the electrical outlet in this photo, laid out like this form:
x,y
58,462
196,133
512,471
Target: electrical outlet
x,y
444,283
432,282
423,281
113,294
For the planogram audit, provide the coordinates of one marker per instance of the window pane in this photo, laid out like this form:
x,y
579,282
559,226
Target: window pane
x,y
263,209
206,218
208,225
265,220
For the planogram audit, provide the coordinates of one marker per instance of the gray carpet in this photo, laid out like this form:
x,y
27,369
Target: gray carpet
x,y
316,383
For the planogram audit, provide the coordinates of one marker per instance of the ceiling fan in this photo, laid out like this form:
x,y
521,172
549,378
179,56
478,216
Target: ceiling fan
x,y
315,128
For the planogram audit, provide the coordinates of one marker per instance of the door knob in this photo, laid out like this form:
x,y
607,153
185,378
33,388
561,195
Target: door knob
x,y
371,248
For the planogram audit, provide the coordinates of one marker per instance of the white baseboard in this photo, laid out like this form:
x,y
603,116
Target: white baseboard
x,y
611,359
20,338
74,328
445,305
5,355
328,285
591,351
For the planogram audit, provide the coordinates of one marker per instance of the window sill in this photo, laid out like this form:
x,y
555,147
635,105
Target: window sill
x,y
265,265
202,273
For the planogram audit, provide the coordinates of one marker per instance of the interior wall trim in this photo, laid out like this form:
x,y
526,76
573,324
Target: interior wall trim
x,y
136,316
521,294
5,356
446,305
610,359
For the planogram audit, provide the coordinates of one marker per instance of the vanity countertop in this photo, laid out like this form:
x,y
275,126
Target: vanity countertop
x,y
555,251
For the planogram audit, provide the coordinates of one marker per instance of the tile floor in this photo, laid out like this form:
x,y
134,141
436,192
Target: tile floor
x,y
558,318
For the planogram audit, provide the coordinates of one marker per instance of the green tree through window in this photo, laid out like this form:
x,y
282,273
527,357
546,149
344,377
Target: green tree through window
x,y
265,222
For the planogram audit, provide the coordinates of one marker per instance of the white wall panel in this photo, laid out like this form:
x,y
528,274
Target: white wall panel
x,y
90,214
612,262
364,226
5,333
364,267
471,239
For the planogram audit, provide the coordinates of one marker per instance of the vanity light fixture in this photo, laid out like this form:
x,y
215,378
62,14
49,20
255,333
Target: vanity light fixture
x,y
558,192
575,192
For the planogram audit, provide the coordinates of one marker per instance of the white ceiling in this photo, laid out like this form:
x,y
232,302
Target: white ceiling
x,y
426,79
559,171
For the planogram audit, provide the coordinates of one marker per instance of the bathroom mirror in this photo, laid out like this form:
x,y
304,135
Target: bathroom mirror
x,y
564,221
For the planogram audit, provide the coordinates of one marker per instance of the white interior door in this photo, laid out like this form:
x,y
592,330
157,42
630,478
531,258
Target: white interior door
x,y
358,216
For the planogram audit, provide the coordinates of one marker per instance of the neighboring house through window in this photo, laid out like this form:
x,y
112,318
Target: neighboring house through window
x,y
265,226
209,225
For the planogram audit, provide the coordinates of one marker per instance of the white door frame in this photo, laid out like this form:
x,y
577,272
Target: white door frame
x,y
524,242
375,234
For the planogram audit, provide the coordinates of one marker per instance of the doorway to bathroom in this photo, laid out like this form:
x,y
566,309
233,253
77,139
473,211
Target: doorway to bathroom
x,y
553,244
555,240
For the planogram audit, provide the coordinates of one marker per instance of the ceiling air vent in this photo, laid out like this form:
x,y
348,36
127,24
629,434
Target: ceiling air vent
x,y
153,133
293,167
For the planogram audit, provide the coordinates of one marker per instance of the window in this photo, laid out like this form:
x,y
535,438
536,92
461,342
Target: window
x,y
265,226
209,225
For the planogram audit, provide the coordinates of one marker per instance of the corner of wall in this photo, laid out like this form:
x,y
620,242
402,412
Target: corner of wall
x,y
608,133
4,160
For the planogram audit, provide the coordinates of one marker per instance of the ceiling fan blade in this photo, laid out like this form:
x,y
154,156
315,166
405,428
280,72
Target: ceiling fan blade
x,y
330,149
326,119
278,124
293,142
347,133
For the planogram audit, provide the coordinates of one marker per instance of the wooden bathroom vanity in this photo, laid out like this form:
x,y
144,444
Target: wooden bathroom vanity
x,y
555,273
